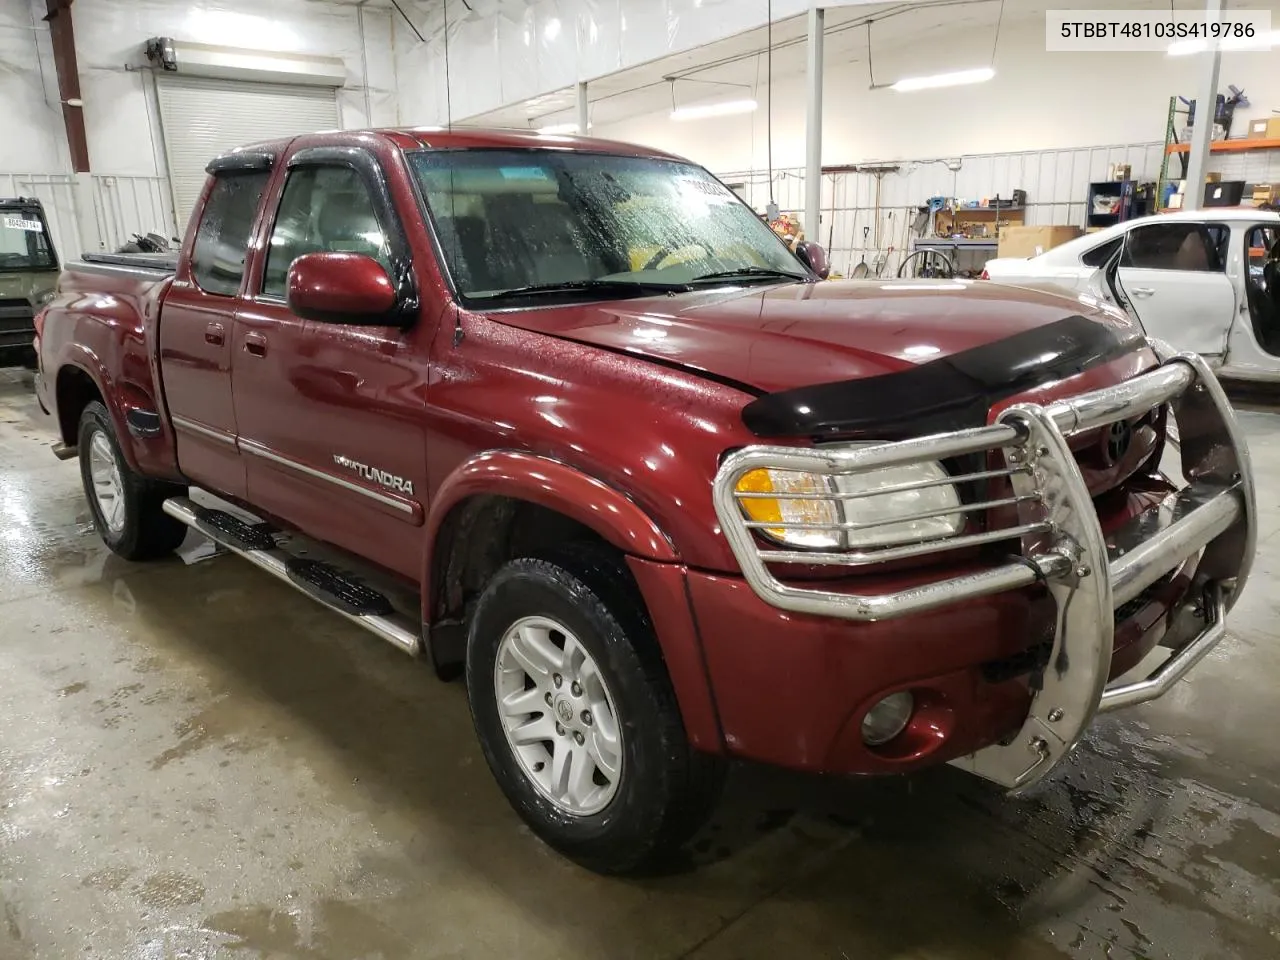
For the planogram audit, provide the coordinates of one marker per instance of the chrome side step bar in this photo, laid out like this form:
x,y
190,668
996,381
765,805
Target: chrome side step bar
x,y
392,627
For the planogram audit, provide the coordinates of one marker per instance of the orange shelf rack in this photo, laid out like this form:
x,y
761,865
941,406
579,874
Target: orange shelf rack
x,y
1227,146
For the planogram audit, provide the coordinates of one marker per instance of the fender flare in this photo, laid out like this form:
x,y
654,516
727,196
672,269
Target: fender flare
x,y
538,480
557,486
79,357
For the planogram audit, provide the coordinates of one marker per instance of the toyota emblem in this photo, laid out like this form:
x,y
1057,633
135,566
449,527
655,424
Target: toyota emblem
x,y
1116,440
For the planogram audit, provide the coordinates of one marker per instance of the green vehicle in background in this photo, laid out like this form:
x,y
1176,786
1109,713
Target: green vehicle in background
x,y
28,276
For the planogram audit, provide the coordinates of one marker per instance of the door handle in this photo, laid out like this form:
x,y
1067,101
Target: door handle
x,y
255,344
1144,291
215,334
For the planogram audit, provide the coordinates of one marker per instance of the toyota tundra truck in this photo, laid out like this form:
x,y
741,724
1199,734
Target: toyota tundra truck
x,y
664,496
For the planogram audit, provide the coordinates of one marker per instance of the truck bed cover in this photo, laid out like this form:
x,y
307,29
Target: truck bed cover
x,y
160,264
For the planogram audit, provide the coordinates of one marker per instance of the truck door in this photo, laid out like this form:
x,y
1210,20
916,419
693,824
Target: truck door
x,y
1174,274
196,323
330,414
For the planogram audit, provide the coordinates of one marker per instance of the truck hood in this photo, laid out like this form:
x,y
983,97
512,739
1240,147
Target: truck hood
x,y
914,346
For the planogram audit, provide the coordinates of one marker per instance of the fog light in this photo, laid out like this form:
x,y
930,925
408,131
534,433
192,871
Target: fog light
x,y
887,718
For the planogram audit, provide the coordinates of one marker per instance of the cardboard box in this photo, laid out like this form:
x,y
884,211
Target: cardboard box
x,y
1273,128
1266,193
1033,241
1258,129
1213,177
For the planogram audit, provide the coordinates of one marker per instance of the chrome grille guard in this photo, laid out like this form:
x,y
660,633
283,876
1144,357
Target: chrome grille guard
x,y
1062,544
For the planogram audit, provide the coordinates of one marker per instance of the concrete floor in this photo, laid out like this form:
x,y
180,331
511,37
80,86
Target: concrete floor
x,y
196,761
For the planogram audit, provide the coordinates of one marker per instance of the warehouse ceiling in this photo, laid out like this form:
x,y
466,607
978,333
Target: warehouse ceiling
x,y
740,59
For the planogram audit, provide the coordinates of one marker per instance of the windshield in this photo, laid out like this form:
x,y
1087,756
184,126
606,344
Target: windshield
x,y
24,244
517,223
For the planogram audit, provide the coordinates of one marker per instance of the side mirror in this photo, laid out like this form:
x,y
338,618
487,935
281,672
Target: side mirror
x,y
341,288
814,257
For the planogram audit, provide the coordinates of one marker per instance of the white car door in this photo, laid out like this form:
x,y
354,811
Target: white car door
x,y
1174,275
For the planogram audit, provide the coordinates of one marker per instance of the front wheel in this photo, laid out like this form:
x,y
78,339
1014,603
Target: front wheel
x,y
577,718
126,506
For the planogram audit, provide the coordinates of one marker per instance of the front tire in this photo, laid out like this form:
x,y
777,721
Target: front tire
x,y
126,506
577,718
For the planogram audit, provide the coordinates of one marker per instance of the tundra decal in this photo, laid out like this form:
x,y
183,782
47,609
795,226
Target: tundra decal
x,y
388,480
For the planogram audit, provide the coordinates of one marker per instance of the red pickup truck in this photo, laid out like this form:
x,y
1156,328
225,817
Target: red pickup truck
x,y
665,496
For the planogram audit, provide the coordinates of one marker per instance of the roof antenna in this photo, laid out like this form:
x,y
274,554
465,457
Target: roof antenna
x,y
448,98
772,210
448,89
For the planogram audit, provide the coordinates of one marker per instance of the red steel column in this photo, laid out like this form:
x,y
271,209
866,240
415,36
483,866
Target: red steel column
x,y
64,59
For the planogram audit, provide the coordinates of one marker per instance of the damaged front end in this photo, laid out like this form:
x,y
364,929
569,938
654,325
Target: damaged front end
x,y
1041,522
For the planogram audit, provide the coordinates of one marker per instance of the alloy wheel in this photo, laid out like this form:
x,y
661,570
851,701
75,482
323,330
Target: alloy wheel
x,y
108,489
558,716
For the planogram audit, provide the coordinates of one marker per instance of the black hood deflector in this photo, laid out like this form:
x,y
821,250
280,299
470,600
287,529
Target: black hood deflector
x,y
950,393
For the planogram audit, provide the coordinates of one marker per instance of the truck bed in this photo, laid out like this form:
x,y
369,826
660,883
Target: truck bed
x,y
161,264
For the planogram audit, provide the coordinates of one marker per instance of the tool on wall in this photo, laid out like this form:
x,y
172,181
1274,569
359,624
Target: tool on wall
x,y
862,269
882,256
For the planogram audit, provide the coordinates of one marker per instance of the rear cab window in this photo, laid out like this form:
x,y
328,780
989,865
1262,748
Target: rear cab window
x,y
222,239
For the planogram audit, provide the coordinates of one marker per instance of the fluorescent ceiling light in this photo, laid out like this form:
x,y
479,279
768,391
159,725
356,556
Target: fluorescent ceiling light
x,y
723,108
1262,42
560,129
959,78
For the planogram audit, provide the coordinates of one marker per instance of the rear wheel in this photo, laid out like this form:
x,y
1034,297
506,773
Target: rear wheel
x,y
577,718
126,506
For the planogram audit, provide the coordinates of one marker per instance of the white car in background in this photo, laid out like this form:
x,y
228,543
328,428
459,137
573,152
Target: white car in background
x,y
1205,281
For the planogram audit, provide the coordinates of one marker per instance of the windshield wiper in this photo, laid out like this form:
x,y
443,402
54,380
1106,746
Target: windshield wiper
x,y
751,272
624,287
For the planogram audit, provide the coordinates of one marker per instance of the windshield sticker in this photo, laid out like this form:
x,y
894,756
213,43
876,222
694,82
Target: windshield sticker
x,y
17,223
524,173
707,188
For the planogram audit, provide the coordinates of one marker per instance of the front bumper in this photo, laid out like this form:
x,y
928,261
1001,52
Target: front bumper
x,y
1207,526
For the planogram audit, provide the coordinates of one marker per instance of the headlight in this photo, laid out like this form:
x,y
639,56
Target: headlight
x,y
43,298
929,493
890,505
810,505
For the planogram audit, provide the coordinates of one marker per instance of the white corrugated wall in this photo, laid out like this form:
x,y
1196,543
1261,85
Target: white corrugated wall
x,y
1056,181
122,206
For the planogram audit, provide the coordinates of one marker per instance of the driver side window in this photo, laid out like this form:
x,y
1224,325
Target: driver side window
x,y
322,209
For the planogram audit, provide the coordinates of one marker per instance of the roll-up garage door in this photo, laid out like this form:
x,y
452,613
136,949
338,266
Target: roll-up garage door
x,y
203,117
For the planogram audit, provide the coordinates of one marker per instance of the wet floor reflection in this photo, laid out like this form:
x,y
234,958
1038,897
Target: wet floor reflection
x,y
197,762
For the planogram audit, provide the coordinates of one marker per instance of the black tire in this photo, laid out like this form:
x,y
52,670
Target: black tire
x,y
666,789
147,531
